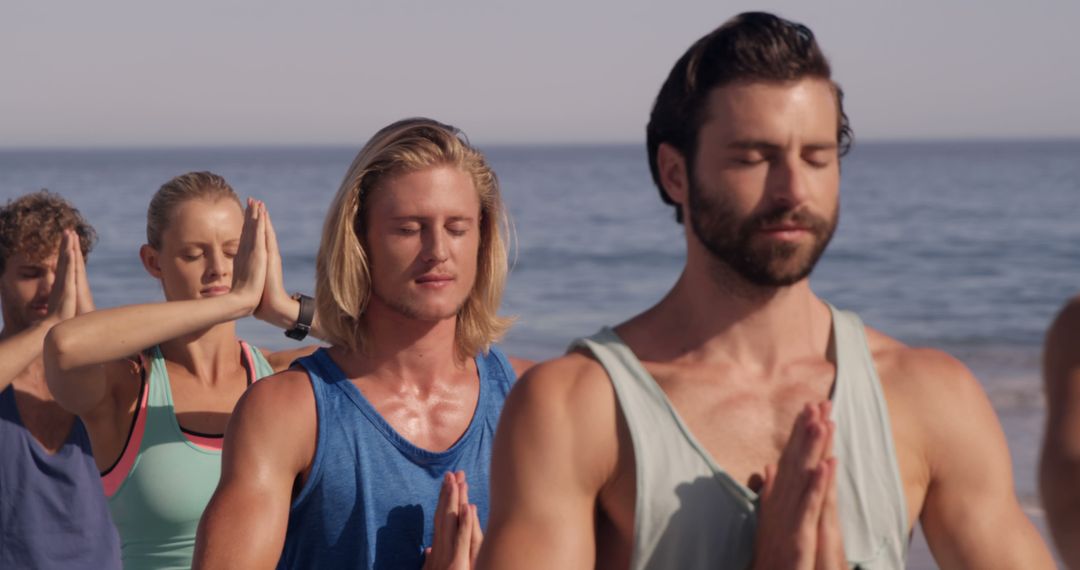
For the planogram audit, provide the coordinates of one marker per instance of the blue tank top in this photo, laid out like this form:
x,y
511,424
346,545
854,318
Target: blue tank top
x,y
52,507
370,497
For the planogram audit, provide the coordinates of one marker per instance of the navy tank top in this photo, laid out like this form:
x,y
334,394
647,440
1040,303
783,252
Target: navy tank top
x,y
52,506
370,497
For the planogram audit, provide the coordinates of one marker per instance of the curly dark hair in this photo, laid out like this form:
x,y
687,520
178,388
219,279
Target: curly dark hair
x,y
32,225
753,46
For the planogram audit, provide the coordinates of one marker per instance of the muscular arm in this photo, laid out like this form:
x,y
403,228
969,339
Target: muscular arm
x,y
554,449
1059,468
269,442
970,515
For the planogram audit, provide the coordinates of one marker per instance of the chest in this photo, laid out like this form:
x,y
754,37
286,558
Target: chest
x,y
47,422
205,407
742,420
432,419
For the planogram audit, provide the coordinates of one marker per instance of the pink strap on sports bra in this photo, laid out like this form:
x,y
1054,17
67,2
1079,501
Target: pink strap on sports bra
x,y
112,480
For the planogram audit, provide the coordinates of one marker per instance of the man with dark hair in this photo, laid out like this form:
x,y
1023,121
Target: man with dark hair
x,y
743,421
52,507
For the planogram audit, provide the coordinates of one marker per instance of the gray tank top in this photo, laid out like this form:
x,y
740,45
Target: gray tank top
x,y
689,513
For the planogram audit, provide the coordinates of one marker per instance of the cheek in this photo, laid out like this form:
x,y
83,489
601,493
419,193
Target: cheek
x,y
179,274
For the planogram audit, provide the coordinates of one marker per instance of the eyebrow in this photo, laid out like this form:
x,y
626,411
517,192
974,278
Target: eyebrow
x,y
752,144
424,218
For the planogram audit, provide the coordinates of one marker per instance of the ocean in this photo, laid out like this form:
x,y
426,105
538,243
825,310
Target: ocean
x,y
970,247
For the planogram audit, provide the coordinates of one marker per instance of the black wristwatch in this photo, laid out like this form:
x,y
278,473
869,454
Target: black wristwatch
x,y
303,320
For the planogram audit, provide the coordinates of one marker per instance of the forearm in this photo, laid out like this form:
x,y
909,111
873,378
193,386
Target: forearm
x,y
112,334
19,350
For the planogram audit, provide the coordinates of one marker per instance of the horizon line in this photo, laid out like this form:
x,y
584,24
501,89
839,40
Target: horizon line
x,y
493,144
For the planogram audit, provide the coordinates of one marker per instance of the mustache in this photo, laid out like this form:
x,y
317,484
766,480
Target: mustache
x,y
783,215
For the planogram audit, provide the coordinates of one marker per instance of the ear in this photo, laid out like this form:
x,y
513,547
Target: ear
x,y
149,257
674,177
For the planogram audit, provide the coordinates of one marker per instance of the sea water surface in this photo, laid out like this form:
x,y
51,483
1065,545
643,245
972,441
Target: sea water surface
x,y
969,247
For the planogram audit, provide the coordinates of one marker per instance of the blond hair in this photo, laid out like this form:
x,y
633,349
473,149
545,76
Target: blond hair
x,y
342,270
183,188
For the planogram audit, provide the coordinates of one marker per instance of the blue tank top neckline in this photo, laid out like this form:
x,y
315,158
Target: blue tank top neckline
x,y
370,484
336,376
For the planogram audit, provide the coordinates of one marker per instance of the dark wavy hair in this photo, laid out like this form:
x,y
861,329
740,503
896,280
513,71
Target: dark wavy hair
x,y
32,225
753,46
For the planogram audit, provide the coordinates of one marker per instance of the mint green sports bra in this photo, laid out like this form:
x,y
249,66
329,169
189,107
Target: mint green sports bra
x,y
165,476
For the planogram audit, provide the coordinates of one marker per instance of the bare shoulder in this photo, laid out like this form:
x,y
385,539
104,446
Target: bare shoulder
x,y
565,408
285,394
921,373
282,359
520,365
938,409
275,423
573,383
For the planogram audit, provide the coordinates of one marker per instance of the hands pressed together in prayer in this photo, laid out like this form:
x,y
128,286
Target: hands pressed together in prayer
x,y
457,538
798,523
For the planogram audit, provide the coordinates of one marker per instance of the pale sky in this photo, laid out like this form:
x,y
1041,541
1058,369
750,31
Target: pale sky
x,y
138,72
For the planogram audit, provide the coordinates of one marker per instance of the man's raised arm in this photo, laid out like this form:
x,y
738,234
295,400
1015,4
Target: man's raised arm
x,y
269,442
554,450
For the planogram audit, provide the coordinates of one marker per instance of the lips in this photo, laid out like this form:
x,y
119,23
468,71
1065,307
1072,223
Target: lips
x,y
435,279
214,291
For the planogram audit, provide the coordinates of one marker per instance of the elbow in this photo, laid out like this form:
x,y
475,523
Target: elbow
x,y
57,351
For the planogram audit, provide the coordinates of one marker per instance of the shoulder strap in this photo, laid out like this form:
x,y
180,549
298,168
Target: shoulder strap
x,y
258,366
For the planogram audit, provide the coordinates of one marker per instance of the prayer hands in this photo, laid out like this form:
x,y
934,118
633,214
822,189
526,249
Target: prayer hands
x,y
249,267
798,526
64,296
275,303
457,537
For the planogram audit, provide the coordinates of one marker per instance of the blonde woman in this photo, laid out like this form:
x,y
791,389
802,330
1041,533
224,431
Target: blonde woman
x,y
156,420
358,440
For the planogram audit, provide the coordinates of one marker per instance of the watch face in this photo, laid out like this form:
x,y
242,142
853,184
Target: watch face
x,y
297,333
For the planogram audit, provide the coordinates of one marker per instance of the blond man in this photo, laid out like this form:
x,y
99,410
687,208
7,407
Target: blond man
x,y
339,462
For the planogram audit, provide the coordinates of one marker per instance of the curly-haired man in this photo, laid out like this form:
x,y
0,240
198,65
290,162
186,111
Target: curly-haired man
x,y
52,509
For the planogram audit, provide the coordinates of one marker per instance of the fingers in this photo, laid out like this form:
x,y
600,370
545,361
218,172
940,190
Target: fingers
x,y
830,550
62,296
768,481
477,537
84,299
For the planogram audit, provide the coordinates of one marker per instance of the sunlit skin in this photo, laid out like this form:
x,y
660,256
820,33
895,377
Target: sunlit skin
x,y
767,158
422,236
740,361
195,262
197,249
24,290
25,287
94,374
421,232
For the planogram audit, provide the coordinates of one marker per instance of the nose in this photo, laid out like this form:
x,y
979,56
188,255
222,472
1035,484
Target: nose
x,y
219,265
787,184
45,284
435,246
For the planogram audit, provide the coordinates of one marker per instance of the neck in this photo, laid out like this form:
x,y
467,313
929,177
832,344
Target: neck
x,y
721,316
413,351
207,355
